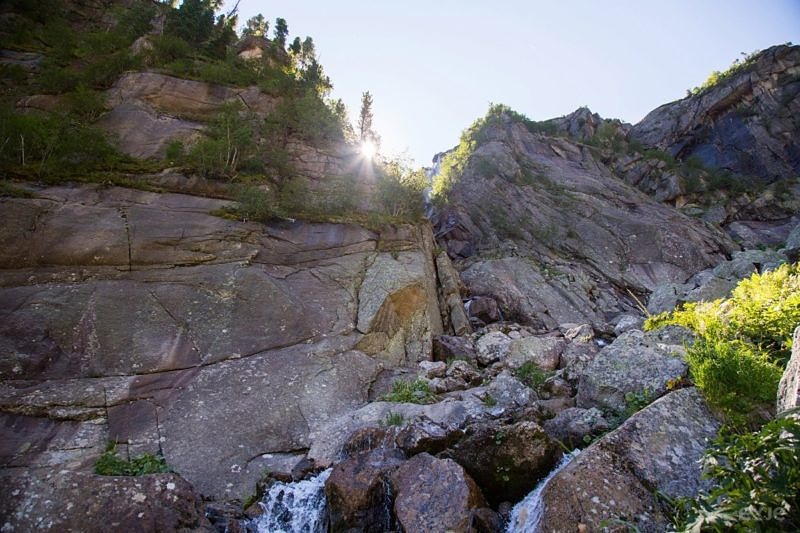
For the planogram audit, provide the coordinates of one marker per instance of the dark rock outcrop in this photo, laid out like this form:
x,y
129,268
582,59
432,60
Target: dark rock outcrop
x,y
358,492
506,460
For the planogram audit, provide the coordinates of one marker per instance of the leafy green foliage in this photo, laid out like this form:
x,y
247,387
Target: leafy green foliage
x,y
109,464
716,77
743,341
400,190
636,401
9,190
228,146
531,375
417,391
45,143
757,483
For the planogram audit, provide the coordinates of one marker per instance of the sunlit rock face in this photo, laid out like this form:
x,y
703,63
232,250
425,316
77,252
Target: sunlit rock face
x,y
141,318
747,124
544,227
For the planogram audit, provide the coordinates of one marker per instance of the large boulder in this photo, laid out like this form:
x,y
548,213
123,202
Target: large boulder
x,y
616,479
573,426
75,501
434,495
356,491
506,460
789,386
635,363
544,352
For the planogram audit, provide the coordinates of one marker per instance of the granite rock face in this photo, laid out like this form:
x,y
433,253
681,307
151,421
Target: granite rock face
x,y
140,318
557,238
637,363
77,501
789,386
657,449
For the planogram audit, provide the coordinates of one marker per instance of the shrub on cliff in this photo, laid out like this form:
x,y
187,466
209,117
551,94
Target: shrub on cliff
x,y
743,341
756,483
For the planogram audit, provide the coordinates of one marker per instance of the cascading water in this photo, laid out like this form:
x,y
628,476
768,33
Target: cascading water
x,y
526,515
298,507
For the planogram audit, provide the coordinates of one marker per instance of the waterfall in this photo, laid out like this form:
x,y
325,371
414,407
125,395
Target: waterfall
x,y
298,507
526,515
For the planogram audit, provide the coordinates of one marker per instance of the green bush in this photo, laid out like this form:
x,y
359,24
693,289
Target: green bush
x,y
531,375
757,483
229,143
743,341
417,391
400,190
108,464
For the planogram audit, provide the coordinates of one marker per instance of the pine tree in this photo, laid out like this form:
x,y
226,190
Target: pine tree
x,y
365,132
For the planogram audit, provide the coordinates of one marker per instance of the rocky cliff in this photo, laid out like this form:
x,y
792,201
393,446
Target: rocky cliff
x,y
242,353
543,226
142,319
747,123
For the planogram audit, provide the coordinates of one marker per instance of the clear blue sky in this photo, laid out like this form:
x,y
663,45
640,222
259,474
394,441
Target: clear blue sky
x,y
434,66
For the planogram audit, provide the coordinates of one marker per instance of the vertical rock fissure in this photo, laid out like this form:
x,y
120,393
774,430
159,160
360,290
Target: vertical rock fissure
x,y
124,215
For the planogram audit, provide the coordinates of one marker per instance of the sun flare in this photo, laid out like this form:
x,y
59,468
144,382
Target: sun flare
x,y
368,149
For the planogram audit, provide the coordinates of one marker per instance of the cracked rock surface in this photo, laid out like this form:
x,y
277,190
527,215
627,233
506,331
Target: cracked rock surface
x,y
140,318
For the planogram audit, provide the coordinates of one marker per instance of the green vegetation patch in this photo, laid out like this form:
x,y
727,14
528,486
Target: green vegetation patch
x,y
744,341
756,483
109,464
531,375
403,391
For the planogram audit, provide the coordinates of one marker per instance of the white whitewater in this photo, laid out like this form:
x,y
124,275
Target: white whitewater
x,y
298,507
526,515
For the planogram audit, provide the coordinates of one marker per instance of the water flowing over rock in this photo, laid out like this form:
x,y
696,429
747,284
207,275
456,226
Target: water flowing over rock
x,y
298,507
526,515
615,479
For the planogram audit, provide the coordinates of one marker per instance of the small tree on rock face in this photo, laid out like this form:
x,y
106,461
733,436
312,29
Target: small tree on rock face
x,y
256,26
281,31
365,132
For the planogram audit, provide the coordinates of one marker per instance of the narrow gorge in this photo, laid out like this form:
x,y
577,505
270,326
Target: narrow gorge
x,y
278,327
